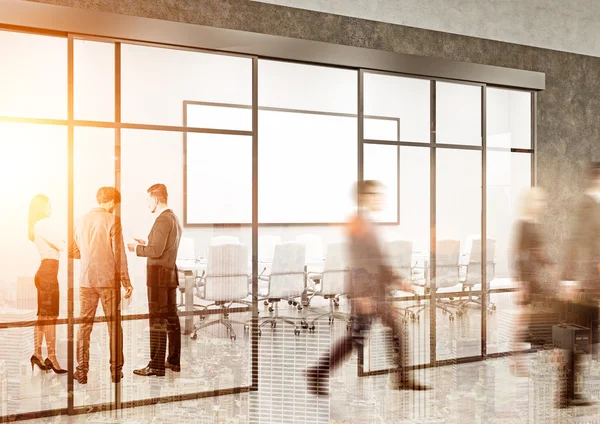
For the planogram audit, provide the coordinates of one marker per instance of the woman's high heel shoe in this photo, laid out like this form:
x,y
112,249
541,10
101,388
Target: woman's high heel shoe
x,y
50,366
36,361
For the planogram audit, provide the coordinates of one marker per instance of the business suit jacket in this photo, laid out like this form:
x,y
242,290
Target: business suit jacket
x,y
371,275
161,251
583,254
531,256
98,242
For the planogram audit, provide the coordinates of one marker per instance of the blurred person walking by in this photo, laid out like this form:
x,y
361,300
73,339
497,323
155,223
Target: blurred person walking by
x,y
98,242
371,280
582,270
531,260
48,244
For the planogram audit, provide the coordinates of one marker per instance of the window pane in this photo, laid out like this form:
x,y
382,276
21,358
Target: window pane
x,y
308,161
307,87
219,179
508,118
458,114
414,227
381,164
397,97
33,160
508,175
94,167
141,150
22,390
156,82
387,129
223,117
94,73
307,167
458,257
212,360
33,76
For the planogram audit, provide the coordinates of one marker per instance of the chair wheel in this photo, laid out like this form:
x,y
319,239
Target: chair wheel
x,y
299,307
294,303
233,337
259,333
194,336
459,313
348,327
266,302
312,328
296,332
336,303
290,302
304,324
246,328
273,324
493,307
451,317
271,309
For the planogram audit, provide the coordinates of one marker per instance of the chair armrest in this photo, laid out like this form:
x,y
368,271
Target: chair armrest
x,y
315,275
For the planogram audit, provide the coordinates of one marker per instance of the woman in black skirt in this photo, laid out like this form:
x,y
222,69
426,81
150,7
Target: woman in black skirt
x,y
49,245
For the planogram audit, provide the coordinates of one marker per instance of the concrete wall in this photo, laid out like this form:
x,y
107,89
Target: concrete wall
x,y
568,110
553,24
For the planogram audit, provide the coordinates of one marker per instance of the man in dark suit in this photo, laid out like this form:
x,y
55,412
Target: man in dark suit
x,y
372,279
161,279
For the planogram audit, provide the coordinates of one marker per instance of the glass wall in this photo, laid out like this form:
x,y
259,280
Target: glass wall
x,y
509,173
143,115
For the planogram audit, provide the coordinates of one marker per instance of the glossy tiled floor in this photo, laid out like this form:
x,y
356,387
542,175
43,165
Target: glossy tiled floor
x,y
478,392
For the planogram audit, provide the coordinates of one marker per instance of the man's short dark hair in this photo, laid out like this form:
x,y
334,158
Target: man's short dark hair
x,y
159,192
593,171
107,194
367,187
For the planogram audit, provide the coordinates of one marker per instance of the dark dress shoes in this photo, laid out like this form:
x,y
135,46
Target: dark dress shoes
x,y
116,378
80,377
317,381
174,368
147,372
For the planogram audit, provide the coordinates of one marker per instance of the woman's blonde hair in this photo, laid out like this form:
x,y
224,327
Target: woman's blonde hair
x,y
38,209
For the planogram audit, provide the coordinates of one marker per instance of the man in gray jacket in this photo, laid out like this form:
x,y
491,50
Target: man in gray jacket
x,y
98,242
162,281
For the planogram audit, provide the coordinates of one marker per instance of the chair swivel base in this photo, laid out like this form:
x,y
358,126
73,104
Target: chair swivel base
x,y
332,317
443,306
225,321
273,321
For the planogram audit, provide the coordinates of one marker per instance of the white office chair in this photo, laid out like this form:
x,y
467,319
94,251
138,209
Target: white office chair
x,y
314,246
225,282
471,262
266,247
399,258
216,241
335,282
188,280
287,279
447,274
314,259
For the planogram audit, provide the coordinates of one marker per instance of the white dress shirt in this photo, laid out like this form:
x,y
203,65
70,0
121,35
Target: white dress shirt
x,y
46,239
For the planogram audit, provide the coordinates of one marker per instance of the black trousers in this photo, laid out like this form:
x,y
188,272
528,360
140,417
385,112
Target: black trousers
x,y
361,324
164,323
